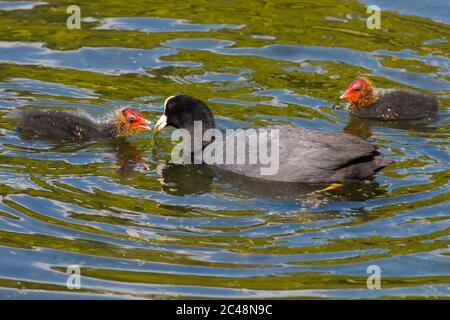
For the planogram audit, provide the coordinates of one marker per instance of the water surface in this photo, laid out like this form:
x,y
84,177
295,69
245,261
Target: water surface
x,y
141,227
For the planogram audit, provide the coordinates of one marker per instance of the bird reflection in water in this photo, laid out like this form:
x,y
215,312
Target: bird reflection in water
x,y
128,158
180,180
362,128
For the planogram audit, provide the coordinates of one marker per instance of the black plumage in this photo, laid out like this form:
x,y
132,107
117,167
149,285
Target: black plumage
x,y
366,102
304,155
69,126
61,125
399,105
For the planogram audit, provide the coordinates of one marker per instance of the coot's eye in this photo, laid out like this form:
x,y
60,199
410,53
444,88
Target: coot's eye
x,y
130,115
169,105
131,118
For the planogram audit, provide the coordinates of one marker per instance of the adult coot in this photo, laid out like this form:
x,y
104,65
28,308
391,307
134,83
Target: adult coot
x,y
366,102
304,155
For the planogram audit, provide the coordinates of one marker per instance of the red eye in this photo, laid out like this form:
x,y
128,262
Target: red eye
x,y
131,115
356,86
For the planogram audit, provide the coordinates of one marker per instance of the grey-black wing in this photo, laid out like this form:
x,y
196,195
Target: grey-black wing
x,y
305,155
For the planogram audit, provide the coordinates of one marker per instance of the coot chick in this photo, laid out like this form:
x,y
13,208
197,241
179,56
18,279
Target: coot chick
x,y
304,155
69,126
367,102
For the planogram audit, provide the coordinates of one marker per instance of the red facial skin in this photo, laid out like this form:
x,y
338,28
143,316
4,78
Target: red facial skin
x,y
135,120
359,93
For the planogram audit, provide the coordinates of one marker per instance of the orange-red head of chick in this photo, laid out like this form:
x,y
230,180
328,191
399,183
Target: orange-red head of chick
x,y
360,93
128,121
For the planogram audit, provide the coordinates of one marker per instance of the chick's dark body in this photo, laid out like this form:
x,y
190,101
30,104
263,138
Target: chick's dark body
x,y
61,125
399,105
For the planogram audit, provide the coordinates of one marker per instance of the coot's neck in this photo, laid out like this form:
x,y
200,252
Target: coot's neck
x,y
366,100
206,124
196,122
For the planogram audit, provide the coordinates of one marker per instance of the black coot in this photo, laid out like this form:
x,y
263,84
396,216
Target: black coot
x,y
304,155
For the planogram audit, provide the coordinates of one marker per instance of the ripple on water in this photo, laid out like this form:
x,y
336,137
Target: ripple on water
x,y
141,227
